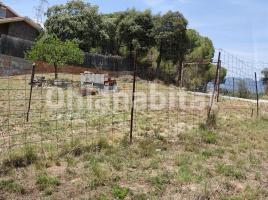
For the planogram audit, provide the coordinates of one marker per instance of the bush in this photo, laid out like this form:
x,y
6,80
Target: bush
x,y
141,196
101,175
147,148
211,119
21,157
229,170
209,137
103,197
11,186
160,181
185,174
45,182
120,192
100,145
184,159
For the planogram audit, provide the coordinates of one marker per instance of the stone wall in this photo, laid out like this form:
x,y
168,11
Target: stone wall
x,y
16,66
13,66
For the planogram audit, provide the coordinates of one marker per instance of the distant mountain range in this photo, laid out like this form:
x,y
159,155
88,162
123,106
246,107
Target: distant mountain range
x,y
231,83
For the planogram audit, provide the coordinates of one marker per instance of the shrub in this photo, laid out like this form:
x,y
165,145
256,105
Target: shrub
x,y
45,182
160,181
185,174
101,175
21,157
30,154
207,153
103,144
183,159
229,170
11,186
211,120
147,148
209,137
141,196
103,197
120,192
232,198
100,145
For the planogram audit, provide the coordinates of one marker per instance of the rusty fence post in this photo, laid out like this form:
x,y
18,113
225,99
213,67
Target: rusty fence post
x,y
31,90
215,85
257,93
218,80
133,98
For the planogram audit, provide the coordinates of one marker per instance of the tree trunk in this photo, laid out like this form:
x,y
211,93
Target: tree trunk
x,y
56,71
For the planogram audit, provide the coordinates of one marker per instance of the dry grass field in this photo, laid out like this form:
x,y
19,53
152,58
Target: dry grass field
x,y
80,150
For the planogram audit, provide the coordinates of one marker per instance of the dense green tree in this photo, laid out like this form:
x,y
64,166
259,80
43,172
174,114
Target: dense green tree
x,y
265,79
170,38
199,70
109,42
134,30
55,52
200,49
75,20
120,33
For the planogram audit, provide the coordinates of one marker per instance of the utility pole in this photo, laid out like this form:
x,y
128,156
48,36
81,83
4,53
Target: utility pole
x,y
40,11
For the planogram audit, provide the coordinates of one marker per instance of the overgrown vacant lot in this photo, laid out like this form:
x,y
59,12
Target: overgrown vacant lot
x,y
174,155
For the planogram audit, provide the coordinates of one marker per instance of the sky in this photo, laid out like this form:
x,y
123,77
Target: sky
x,y
237,26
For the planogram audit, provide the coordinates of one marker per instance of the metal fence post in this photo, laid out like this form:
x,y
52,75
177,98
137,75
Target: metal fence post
x,y
133,98
257,93
233,86
215,83
31,90
218,80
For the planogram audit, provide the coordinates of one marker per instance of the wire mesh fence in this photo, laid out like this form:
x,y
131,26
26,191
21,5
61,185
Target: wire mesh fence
x,y
118,105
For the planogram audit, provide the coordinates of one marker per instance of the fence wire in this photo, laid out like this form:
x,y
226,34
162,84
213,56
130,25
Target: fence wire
x,y
162,108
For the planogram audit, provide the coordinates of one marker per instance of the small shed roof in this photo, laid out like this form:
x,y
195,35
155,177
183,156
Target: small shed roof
x,y
20,19
10,9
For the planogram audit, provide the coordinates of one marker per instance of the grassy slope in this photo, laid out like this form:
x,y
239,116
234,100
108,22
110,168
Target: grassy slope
x,y
170,159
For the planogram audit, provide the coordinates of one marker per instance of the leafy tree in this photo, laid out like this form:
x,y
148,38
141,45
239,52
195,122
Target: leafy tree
x,y
75,20
211,73
170,38
134,29
200,48
55,52
109,42
200,54
120,33
265,79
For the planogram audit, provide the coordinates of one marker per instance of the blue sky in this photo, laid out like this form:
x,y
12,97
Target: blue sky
x,y
238,26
